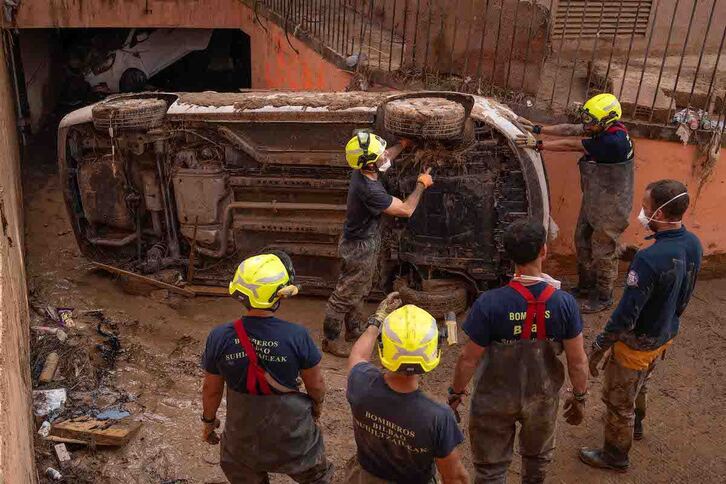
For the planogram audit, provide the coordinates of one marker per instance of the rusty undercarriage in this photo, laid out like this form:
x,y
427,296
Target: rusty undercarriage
x,y
160,181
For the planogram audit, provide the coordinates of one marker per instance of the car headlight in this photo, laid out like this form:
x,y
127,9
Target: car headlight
x,y
105,65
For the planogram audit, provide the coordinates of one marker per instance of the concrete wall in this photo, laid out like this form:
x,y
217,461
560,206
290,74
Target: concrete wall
x,y
16,431
275,63
654,160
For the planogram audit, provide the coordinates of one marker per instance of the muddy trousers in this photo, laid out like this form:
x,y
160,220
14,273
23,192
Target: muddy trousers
x,y
355,474
597,262
359,262
238,473
492,441
625,395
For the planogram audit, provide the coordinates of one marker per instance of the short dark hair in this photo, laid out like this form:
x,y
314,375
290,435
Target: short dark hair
x,y
523,240
662,191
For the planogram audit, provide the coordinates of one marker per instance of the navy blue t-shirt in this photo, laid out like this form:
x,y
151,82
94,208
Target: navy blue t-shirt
x,y
610,146
398,435
283,349
499,315
367,199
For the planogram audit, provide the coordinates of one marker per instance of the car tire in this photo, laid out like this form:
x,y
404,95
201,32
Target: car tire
x,y
132,80
450,295
428,117
129,113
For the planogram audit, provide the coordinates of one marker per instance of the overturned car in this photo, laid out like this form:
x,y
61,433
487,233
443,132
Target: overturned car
x,y
195,182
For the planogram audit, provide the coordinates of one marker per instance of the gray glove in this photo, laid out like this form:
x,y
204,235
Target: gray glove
x,y
596,354
386,307
575,409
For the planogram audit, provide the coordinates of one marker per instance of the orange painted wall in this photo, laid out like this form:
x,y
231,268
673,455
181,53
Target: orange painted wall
x,y
653,160
274,63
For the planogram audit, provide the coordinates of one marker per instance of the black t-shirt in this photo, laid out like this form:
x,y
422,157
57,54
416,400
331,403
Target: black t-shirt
x,y
282,348
499,315
367,199
398,435
611,146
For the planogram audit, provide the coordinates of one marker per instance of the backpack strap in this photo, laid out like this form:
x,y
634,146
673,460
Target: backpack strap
x,y
535,309
255,374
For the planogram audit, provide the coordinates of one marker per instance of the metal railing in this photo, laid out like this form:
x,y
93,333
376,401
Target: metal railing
x,y
660,57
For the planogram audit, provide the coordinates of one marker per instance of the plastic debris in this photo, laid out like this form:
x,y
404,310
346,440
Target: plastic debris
x,y
44,430
49,402
696,119
66,317
53,474
112,414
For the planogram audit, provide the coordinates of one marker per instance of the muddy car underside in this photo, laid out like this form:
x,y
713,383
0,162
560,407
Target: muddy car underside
x,y
157,182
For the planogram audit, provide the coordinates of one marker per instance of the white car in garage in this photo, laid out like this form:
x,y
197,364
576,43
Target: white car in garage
x,y
145,53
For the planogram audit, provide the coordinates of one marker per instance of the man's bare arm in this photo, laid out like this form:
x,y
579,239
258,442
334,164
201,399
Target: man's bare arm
x,y
212,391
466,366
563,145
452,469
363,348
314,383
405,209
576,362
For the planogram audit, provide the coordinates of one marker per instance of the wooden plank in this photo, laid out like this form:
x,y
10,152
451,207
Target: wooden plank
x,y
55,438
209,290
144,279
97,432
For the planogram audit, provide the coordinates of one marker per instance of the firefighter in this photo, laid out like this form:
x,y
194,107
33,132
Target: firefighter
x,y
606,180
658,286
271,425
516,334
401,435
360,243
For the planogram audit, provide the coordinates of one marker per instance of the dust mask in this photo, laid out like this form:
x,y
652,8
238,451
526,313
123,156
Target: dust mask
x,y
533,279
645,220
384,166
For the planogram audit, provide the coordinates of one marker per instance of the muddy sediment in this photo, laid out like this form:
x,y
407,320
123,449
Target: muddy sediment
x,y
257,100
159,377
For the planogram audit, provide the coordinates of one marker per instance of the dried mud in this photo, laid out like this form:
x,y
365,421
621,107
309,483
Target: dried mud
x,y
258,100
685,429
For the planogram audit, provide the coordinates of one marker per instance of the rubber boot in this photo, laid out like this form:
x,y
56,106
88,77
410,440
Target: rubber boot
x,y
353,330
638,427
579,292
336,347
597,303
598,458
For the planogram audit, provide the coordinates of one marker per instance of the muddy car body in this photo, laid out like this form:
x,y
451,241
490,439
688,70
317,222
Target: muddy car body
x,y
226,175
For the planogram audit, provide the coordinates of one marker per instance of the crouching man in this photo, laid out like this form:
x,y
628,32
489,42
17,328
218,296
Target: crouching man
x,y
517,333
270,425
402,435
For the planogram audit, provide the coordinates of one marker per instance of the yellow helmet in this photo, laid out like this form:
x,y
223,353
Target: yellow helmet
x,y
409,341
259,278
603,109
364,148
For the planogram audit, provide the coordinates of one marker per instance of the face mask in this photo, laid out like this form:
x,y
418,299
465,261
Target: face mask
x,y
532,279
385,166
645,220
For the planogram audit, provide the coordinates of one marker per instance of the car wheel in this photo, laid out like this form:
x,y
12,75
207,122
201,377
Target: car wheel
x,y
438,298
429,118
132,80
125,113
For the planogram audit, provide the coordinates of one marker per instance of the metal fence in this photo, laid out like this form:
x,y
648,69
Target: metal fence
x,y
661,57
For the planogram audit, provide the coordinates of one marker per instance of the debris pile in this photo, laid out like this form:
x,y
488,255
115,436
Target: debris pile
x,y
76,406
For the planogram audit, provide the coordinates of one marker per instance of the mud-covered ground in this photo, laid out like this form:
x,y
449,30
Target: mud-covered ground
x,y
163,339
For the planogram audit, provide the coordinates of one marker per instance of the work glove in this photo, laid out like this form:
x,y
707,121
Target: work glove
x,y
208,432
596,354
406,143
528,141
454,400
386,307
526,123
575,409
425,178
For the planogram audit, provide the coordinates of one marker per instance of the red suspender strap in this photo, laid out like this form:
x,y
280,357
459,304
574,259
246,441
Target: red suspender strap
x,y
535,307
255,374
615,128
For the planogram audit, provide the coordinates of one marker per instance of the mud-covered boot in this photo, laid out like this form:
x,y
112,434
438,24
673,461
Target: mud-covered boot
x,y
638,427
580,292
598,458
336,347
353,330
596,303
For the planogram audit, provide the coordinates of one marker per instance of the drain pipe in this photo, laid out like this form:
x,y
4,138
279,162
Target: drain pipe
x,y
168,208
